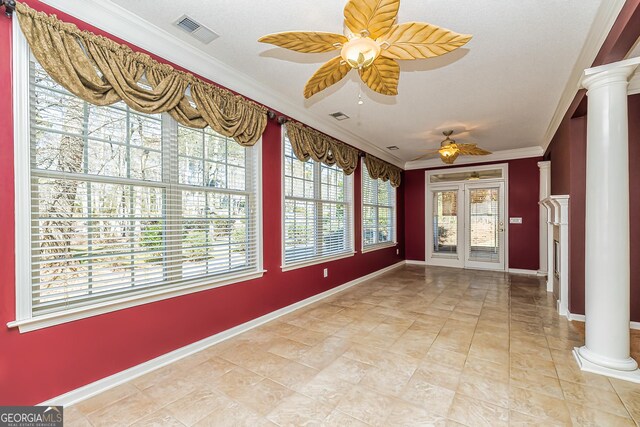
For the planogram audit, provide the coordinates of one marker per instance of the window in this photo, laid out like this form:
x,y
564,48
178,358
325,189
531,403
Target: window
x,y
317,211
378,212
123,204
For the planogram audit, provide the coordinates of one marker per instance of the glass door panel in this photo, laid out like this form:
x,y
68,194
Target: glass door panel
x,y
445,222
484,218
484,230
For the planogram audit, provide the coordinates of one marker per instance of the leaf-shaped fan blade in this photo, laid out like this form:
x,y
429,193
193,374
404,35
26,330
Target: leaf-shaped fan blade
x,y
374,16
382,76
330,73
416,40
430,153
305,41
472,150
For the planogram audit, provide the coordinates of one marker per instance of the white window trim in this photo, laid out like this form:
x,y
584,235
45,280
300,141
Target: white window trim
x,y
376,246
22,176
317,260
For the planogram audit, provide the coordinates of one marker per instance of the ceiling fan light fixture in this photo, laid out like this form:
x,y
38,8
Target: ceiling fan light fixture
x,y
448,157
360,52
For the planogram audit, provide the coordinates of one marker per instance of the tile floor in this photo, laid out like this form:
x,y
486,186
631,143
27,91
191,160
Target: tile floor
x,y
414,347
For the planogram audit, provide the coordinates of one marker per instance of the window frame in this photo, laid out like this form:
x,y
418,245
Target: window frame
x,y
384,245
24,318
349,252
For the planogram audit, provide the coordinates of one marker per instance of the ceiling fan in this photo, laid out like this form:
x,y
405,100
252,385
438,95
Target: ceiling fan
x,y
371,44
450,150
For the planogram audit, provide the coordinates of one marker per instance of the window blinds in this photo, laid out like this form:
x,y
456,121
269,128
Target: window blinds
x,y
124,202
317,210
378,210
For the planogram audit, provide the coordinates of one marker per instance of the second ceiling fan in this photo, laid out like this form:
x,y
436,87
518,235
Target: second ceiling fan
x,y
450,150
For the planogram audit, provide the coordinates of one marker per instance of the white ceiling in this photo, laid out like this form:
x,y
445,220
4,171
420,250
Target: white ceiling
x,y
500,90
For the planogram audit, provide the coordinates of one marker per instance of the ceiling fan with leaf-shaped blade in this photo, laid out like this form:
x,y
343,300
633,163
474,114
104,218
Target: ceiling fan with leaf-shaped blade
x,y
371,44
450,150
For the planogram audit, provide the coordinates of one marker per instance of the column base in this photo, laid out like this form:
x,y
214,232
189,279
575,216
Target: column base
x,y
628,368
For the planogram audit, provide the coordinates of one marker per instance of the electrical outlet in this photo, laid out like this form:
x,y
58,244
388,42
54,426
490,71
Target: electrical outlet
x,y
326,272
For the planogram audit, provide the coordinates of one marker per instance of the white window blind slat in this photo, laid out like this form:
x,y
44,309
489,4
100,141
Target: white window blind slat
x,y
378,211
318,204
125,203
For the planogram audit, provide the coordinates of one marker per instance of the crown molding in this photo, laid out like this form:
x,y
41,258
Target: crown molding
x,y
605,18
518,153
121,23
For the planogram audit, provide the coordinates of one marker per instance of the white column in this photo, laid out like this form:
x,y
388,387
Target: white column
x,y
545,191
606,350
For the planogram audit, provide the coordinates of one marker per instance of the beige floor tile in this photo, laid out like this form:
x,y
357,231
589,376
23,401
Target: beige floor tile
x,y
124,411
419,391
607,401
473,412
161,418
264,396
326,389
287,348
532,363
347,369
450,359
235,415
593,416
538,405
106,398
407,414
439,375
535,381
485,389
340,419
237,381
498,371
386,381
630,395
366,405
292,374
196,405
298,410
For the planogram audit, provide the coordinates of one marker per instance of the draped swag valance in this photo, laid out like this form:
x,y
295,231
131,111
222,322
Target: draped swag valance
x,y
380,169
102,72
308,143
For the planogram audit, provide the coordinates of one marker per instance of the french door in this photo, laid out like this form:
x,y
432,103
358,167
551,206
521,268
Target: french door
x,y
466,224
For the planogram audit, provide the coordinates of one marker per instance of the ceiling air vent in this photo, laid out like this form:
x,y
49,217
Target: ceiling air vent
x,y
339,115
392,147
197,30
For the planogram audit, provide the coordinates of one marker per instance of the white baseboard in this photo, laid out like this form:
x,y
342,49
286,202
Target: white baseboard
x,y
582,318
524,272
415,262
578,317
89,390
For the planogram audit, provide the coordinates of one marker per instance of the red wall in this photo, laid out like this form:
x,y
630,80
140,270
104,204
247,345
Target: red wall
x,y
39,365
524,183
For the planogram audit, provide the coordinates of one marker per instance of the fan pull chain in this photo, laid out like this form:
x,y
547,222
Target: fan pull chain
x,y
360,100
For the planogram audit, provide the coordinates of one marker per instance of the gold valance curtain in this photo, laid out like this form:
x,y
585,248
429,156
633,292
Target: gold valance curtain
x,y
102,72
308,143
385,171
